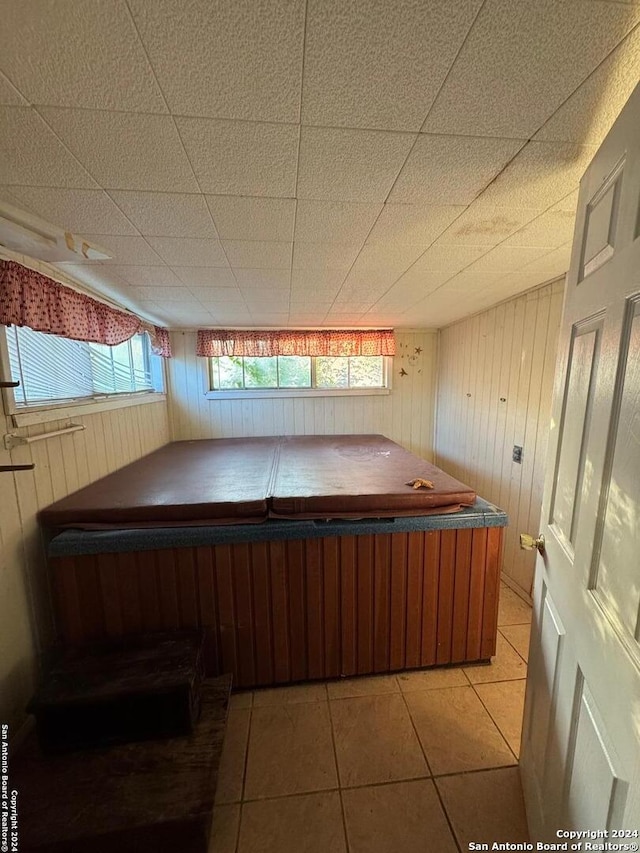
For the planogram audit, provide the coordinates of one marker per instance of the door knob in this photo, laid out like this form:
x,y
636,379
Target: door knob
x,y
528,543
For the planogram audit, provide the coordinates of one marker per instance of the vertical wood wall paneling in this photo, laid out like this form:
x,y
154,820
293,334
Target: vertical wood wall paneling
x,y
64,464
406,415
495,380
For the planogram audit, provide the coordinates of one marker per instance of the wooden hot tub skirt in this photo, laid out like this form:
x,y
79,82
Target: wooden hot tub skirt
x,y
276,612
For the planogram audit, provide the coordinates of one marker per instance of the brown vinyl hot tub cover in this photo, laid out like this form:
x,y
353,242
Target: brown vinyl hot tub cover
x,y
356,476
241,480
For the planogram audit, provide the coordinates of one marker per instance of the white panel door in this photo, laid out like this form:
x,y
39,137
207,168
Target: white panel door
x,y
581,740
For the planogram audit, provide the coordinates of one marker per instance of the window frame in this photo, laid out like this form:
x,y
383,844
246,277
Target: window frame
x,y
264,393
28,415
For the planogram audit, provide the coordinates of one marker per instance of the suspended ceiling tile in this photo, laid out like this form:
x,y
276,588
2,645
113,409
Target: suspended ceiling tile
x,y
350,165
72,209
588,114
324,255
241,157
553,263
521,61
124,250
486,225
237,58
163,295
551,229
263,278
267,304
417,279
366,64
442,257
166,214
218,295
387,256
334,221
302,319
258,254
467,283
507,258
232,317
146,276
344,320
9,95
417,224
78,54
246,218
205,276
270,320
179,252
451,169
541,174
316,281
125,151
102,279
31,154
568,203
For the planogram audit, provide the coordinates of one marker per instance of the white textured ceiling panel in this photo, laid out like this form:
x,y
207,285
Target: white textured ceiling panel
x,y
31,154
311,162
527,57
350,165
79,55
205,276
417,224
451,169
541,174
128,151
245,218
367,63
73,210
146,276
241,158
262,279
336,256
179,252
258,254
587,115
488,225
125,250
9,95
242,61
334,221
166,214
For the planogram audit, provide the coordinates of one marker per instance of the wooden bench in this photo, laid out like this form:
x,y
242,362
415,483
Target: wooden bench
x,y
150,797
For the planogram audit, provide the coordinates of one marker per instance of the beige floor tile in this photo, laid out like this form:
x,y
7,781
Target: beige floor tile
x,y
404,816
485,807
308,824
428,679
294,695
504,700
241,700
507,665
456,731
290,751
234,750
224,830
518,636
513,610
375,741
349,688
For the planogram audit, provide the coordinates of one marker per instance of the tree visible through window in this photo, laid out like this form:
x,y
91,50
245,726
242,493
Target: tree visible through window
x,y
230,373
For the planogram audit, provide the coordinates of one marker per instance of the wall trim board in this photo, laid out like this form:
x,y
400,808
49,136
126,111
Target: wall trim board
x,y
494,390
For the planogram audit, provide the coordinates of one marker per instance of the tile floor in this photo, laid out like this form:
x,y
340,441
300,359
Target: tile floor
x,y
419,762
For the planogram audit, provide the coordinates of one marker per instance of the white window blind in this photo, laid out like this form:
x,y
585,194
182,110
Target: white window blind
x,y
51,368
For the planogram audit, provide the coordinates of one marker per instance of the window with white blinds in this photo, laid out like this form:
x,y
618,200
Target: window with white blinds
x,y
51,369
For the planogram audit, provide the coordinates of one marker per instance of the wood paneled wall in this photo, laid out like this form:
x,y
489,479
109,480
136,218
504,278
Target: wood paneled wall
x,y
406,415
63,464
495,382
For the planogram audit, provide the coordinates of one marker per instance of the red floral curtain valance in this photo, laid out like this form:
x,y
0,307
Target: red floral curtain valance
x,y
328,342
28,298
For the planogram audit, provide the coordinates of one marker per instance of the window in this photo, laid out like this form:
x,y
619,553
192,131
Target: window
x,y
298,373
52,369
